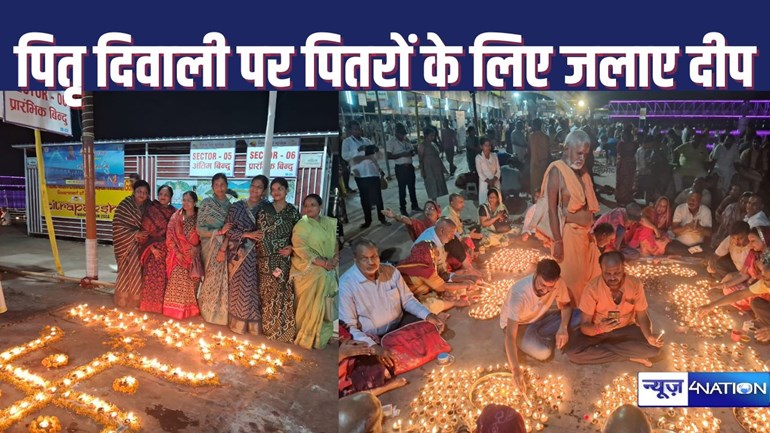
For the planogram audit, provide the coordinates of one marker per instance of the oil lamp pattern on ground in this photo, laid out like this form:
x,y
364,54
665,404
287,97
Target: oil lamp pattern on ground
x,y
450,396
125,330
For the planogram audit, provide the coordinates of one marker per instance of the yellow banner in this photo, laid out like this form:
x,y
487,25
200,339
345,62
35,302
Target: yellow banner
x,y
70,202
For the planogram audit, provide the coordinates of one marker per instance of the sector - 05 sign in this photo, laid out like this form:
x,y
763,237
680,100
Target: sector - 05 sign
x,y
284,161
704,389
209,157
39,110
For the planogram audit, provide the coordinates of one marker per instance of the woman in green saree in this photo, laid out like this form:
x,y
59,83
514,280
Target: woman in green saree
x,y
314,273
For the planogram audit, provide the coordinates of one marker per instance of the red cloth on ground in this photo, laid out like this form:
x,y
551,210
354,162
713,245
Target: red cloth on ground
x,y
414,345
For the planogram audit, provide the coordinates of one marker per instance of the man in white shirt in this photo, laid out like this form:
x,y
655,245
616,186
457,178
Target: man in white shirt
x,y
375,300
731,253
529,302
361,154
691,226
519,144
402,151
755,216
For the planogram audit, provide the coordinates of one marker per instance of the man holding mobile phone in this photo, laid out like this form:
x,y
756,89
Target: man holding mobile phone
x,y
614,325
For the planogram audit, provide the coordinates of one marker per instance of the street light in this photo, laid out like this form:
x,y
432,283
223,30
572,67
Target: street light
x,y
516,95
581,103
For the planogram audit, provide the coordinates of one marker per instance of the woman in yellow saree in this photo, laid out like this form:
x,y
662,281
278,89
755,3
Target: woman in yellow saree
x,y
314,272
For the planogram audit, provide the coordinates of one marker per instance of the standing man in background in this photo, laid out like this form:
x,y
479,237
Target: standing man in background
x,y
402,151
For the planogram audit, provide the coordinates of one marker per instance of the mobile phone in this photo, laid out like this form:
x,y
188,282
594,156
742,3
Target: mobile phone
x,y
614,315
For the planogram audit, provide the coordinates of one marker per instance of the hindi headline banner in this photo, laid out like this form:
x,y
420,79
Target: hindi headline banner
x,y
390,54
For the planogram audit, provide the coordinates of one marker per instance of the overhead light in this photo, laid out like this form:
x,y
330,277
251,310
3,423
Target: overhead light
x,y
581,103
516,95
349,97
400,100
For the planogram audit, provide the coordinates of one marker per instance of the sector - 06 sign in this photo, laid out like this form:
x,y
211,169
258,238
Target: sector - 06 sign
x,y
284,161
39,110
703,389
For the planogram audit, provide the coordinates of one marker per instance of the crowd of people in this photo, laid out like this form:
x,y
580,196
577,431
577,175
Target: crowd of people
x,y
683,193
255,264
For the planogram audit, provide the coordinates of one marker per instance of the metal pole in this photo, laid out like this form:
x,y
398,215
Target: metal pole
x,y
269,134
90,192
44,200
475,115
417,118
382,132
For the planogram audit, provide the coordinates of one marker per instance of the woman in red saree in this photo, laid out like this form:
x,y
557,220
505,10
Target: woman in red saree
x,y
360,370
183,261
127,236
153,251
651,237
415,226
423,279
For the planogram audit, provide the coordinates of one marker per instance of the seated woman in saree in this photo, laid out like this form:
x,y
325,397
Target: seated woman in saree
x,y
427,284
127,237
276,220
360,369
213,295
315,275
153,250
183,261
651,237
493,218
242,240
747,276
418,224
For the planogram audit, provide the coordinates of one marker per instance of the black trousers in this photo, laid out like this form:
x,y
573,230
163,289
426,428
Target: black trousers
x,y
405,175
345,174
761,309
371,195
450,157
677,248
619,345
722,265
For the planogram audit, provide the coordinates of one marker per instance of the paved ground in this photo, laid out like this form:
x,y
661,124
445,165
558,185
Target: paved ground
x,y
478,343
298,398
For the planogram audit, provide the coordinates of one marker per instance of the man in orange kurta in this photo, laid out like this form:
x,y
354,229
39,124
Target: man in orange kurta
x,y
567,214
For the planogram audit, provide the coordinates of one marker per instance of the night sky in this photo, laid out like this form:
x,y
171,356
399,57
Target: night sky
x,y
123,115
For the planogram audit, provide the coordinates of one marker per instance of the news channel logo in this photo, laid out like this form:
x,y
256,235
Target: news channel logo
x,y
667,389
